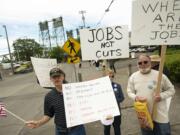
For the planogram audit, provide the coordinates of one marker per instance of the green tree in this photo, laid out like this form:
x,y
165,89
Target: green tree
x,y
57,53
26,48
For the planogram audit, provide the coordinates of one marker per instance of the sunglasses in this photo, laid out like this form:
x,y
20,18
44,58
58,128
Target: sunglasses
x,y
142,62
56,76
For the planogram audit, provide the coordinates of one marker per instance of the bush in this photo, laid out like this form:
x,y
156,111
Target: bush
x,y
173,65
173,62
174,69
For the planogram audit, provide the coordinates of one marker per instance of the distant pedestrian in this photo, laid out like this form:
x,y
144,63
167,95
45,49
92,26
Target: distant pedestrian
x,y
104,67
89,62
54,106
97,64
80,65
1,76
119,98
111,65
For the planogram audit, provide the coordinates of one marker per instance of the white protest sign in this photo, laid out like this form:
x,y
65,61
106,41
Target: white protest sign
x,y
104,43
89,101
156,22
42,67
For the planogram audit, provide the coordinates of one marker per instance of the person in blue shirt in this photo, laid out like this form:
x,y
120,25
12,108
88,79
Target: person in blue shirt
x,y
119,98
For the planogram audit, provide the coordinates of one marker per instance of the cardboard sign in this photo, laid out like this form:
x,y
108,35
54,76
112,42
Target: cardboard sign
x,y
89,101
104,43
156,22
42,68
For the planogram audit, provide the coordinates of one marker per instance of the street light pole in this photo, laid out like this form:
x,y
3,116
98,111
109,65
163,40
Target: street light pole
x,y
83,17
12,68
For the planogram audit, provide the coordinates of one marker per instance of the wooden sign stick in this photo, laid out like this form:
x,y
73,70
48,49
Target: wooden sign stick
x,y
16,116
161,66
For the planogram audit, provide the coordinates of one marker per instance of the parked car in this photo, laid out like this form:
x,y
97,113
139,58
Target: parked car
x,y
6,65
24,68
152,48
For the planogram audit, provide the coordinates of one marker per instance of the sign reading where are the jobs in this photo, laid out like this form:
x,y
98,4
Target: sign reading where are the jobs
x,y
156,22
89,101
104,43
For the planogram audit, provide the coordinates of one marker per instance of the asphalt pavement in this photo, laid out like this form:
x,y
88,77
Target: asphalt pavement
x,y
24,97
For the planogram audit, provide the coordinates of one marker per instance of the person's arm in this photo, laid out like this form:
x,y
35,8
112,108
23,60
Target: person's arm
x,y
167,90
130,89
37,123
132,93
121,95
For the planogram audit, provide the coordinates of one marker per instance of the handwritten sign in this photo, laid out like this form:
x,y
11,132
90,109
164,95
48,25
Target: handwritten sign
x,y
156,22
42,68
104,43
89,101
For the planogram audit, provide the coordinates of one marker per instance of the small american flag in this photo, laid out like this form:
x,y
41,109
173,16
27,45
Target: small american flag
x,y
2,109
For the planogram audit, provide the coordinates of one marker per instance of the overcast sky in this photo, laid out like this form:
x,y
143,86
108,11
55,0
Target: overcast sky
x,y
21,17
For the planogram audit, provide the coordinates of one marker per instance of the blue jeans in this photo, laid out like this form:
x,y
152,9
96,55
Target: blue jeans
x,y
78,130
116,125
159,129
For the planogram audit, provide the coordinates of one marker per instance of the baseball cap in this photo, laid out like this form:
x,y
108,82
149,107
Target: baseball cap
x,y
56,72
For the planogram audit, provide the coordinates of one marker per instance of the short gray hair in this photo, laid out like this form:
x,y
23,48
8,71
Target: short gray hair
x,y
145,55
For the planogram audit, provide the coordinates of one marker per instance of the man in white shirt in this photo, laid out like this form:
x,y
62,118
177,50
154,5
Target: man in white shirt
x,y
141,87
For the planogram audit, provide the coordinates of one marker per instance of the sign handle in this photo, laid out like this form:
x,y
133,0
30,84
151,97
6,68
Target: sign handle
x,y
75,72
17,117
161,66
157,90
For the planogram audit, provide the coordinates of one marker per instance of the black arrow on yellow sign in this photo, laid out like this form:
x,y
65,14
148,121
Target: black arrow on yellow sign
x,y
73,59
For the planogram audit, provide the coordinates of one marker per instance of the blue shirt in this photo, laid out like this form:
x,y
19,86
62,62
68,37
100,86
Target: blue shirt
x,y
118,92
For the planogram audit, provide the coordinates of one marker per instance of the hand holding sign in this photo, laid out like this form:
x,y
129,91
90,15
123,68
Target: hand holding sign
x,y
108,120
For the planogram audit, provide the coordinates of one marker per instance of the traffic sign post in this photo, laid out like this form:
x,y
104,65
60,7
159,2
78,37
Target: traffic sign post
x,y
72,47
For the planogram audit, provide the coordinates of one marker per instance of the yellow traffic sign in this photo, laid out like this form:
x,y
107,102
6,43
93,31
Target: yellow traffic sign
x,y
73,60
71,47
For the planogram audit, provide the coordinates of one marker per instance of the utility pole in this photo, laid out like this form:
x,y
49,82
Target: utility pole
x,y
83,17
12,68
49,37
